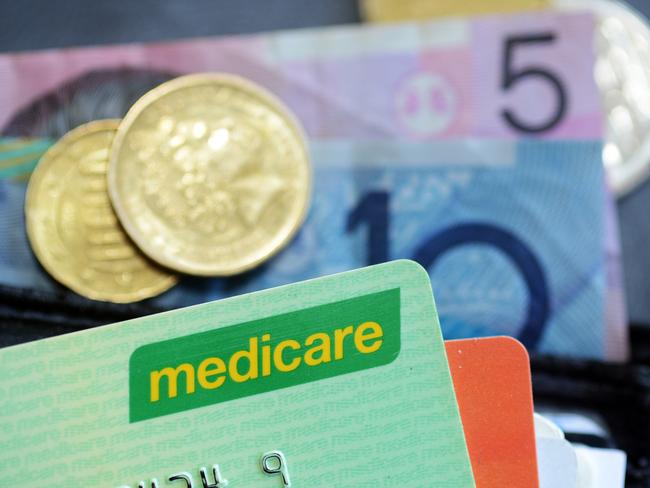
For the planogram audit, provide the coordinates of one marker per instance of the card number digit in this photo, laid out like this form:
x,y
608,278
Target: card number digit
x,y
512,76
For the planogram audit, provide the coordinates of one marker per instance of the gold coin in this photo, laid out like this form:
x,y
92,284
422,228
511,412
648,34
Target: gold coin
x,y
623,76
209,174
405,10
73,229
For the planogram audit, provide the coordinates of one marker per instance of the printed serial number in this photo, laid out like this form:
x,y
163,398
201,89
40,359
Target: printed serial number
x,y
272,463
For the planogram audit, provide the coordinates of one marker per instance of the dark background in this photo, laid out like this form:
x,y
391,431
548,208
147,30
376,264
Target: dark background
x,y
39,24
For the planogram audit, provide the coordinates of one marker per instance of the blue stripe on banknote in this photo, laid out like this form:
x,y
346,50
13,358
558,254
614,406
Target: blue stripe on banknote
x,y
511,233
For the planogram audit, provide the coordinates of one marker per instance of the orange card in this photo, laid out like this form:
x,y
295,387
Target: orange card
x,y
494,393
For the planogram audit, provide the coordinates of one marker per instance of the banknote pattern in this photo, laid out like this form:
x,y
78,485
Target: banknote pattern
x,y
19,156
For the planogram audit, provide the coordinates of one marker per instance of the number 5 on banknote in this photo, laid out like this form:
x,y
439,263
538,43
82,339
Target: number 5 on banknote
x,y
512,76
534,77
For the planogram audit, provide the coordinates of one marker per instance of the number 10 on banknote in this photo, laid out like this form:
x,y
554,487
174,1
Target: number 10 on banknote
x,y
512,248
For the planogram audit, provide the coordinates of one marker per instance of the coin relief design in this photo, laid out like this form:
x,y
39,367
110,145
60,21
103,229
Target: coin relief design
x,y
622,73
210,175
623,76
72,227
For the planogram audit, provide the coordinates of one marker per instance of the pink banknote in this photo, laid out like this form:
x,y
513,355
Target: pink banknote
x,y
512,76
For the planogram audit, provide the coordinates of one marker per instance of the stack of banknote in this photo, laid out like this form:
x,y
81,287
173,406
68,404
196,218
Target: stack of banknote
x,y
473,146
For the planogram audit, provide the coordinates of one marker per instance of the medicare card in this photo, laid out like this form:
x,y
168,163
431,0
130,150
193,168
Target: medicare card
x,y
338,381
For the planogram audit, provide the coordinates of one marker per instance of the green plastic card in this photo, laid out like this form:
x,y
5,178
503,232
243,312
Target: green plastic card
x,y
338,381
